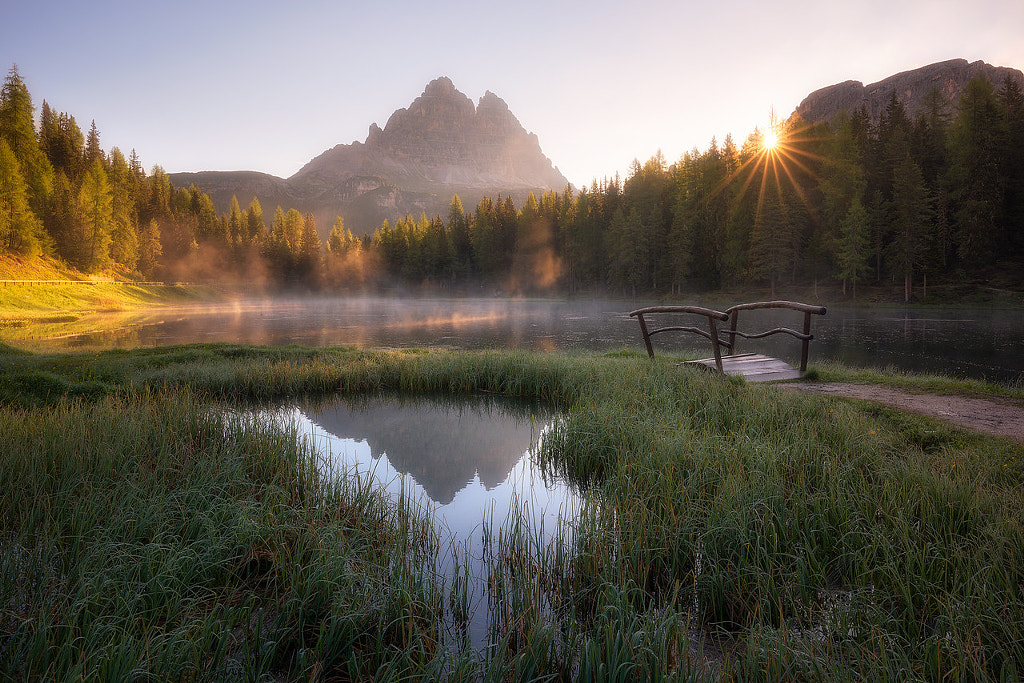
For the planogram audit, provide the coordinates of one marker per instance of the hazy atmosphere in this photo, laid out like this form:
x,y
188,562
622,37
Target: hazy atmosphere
x,y
263,86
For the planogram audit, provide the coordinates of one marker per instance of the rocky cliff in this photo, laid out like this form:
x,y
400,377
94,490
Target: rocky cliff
x,y
441,145
911,87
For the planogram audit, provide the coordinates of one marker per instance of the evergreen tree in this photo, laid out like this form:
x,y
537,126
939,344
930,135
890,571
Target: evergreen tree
x,y
255,227
309,260
628,260
771,246
150,249
93,151
343,262
461,248
95,207
21,232
236,229
854,246
17,128
911,214
486,243
124,245
1011,164
976,195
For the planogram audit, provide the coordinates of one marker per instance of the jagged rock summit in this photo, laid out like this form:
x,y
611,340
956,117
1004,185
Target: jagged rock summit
x,y
442,139
441,145
911,87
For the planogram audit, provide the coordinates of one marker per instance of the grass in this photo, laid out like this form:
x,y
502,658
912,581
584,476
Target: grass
x,y
75,303
150,530
910,381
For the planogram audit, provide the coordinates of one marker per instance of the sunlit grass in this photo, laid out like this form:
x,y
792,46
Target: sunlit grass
x,y
730,529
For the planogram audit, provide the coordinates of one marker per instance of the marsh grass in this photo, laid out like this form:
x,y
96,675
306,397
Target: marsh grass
x,y
803,536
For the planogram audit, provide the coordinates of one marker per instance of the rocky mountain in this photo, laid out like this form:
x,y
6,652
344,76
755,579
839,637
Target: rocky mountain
x,y
441,145
911,87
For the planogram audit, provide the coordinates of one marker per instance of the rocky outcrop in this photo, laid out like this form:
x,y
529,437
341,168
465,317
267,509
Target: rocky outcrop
x,y
442,140
911,87
441,145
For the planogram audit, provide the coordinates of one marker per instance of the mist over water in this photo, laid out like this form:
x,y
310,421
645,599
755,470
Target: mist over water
x,y
985,344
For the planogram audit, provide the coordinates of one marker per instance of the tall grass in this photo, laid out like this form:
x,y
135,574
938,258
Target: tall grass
x,y
149,536
731,531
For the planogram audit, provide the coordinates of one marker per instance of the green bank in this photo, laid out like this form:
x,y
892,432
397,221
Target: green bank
x,y
151,528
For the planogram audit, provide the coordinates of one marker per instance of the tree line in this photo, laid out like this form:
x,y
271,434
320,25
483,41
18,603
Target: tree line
x,y
853,201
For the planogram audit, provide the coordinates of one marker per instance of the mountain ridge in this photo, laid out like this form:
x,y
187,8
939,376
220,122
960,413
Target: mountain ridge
x,y
439,146
911,87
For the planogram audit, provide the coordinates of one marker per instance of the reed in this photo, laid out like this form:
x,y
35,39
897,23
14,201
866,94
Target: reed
x,y
729,530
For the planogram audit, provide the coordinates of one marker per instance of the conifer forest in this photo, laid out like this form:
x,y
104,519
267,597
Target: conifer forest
x,y
908,200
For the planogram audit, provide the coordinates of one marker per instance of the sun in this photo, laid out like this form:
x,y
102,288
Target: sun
x,y
770,141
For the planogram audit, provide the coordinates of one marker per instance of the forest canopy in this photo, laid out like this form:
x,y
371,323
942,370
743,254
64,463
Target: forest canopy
x,y
933,197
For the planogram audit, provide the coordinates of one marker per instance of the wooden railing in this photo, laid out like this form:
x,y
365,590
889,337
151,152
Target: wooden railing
x,y
711,334
807,309
731,315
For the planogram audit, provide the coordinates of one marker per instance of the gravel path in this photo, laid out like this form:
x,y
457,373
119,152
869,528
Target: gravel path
x,y
1003,417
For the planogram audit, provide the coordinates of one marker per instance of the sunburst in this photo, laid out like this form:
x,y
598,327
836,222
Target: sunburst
x,y
781,152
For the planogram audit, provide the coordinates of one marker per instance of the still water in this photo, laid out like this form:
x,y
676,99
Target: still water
x,y
470,465
985,344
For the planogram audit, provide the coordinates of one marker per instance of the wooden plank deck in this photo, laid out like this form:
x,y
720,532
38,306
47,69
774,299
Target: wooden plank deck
x,y
755,367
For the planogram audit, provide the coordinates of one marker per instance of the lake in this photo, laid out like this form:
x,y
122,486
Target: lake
x,y
984,344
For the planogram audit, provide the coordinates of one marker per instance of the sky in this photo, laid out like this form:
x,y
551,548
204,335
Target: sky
x,y
267,86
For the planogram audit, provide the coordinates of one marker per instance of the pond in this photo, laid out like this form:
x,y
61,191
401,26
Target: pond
x,y
470,464
982,344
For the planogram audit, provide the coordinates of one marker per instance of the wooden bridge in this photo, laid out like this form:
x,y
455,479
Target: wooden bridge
x,y
755,367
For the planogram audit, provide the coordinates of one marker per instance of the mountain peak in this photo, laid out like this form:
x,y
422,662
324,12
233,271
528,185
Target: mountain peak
x,y
441,144
441,86
948,77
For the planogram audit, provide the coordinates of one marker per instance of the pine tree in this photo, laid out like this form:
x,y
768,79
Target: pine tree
x,y
95,206
255,227
628,258
343,262
911,214
1011,165
771,241
150,249
854,246
309,260
124,246
93,151
21,232
976,193
17,128
461,242
484,238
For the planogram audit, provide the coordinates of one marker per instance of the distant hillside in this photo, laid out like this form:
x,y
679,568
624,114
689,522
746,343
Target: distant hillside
x,y
439,146
949,77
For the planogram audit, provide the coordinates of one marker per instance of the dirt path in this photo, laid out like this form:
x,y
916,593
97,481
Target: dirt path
x,y
1003,417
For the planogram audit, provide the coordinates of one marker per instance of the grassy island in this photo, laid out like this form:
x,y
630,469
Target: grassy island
x,y
732,531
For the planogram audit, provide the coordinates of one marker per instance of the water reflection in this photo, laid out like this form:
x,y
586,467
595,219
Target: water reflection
x,y
984,344
441,445
470,464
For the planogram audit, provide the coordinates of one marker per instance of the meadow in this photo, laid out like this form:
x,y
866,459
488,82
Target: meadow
x,y
150,528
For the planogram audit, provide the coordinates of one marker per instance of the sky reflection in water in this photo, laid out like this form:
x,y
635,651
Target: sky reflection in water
x,y
463,461
982,344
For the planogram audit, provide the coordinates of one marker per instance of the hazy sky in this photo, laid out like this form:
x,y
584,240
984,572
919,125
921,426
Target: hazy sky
x,y
269,85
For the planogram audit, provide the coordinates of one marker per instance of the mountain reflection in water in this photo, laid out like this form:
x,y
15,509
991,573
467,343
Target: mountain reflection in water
x,y
468,462
441,445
